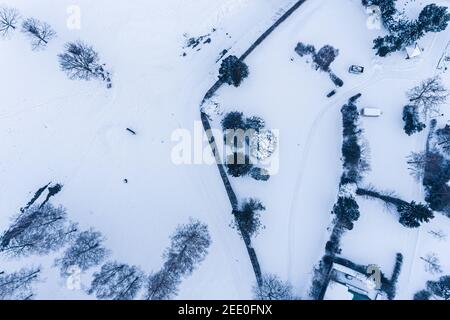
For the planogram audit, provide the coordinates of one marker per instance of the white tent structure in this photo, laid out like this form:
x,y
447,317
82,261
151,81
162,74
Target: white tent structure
x,y
413,51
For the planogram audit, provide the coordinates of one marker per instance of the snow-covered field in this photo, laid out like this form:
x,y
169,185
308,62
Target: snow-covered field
x,y
73,133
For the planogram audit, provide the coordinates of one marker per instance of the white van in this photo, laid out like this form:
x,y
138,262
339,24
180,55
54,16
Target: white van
x,y
371,112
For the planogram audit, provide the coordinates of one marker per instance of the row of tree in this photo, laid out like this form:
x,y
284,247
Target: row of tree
x,y
432,168
404,32
44,229
346,209
79,60
354,150
412,214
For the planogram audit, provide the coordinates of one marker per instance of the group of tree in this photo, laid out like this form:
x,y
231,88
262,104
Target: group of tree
x,y
439,289
43,229
412,214
321,59
245,137
434,169
119,281
188,248
39,32
38,230
404,32
233,71
79,60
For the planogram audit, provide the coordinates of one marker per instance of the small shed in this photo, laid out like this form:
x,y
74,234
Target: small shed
x,y
413,51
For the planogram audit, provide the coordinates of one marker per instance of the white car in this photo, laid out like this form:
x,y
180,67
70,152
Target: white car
x,y
371,112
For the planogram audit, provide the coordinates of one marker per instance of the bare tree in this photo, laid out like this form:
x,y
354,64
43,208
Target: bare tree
x,y
416,164
422,162
443,138
117,281
438,234
18,285
87,251
38,230
40,33
163,285
189,246
429,95
9,18
432,263
273,288
81,62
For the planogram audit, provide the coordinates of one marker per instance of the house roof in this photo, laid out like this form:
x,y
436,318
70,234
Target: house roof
x,y
337,291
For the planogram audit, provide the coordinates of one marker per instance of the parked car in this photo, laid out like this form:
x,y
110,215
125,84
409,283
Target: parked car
x,y
331,93
356,69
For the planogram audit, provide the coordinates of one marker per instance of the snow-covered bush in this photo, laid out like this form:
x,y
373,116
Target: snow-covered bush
x,y
211,109
233,120
412,120
247,218
305,49
263,144
325,57
260,174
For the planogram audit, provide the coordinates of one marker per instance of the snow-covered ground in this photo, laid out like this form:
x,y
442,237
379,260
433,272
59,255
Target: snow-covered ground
x,y
284,90
58,130
73,133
